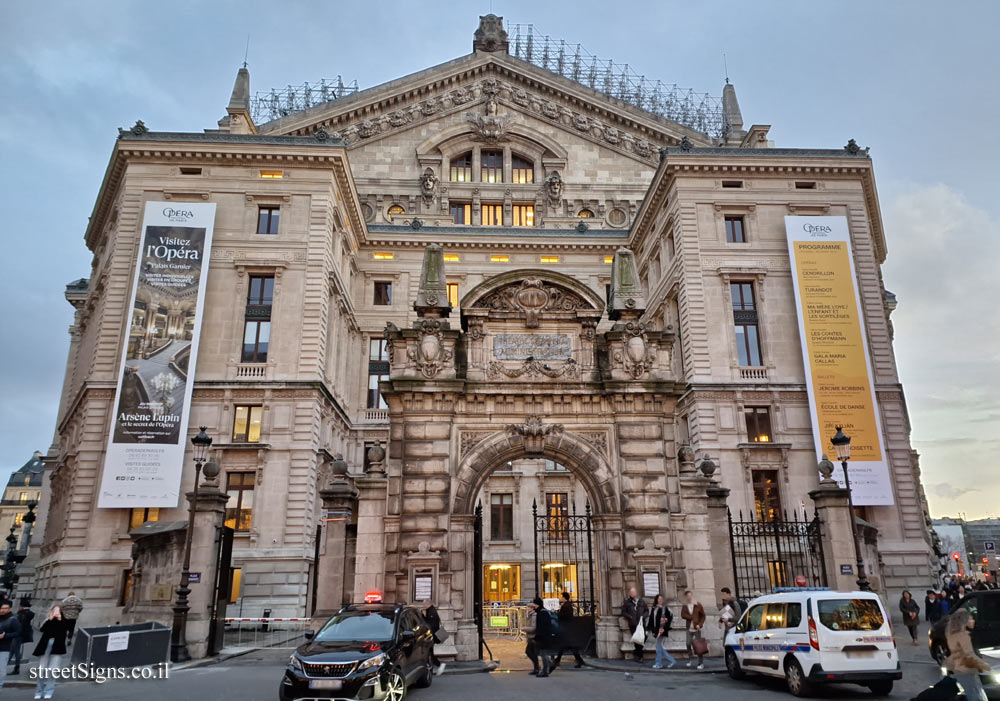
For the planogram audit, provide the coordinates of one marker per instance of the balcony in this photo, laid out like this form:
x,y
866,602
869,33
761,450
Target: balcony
x,y
251,371
375,416
756,374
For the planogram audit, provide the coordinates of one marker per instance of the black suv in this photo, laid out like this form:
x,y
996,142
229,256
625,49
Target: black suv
x,y
984,606
365,651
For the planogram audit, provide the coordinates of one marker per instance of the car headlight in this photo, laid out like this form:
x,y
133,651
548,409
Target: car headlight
x,y
295,663
372,662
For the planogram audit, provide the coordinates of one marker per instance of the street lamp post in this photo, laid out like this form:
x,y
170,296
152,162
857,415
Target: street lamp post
x,y
842,447
178,636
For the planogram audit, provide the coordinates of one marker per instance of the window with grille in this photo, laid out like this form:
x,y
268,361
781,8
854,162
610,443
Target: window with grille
x,y
524,215
257,319
239,508
246,423
461,168
745,324
557,509
734,230
491,215
267,220
501,517
461,213
492,162
522,170
758,424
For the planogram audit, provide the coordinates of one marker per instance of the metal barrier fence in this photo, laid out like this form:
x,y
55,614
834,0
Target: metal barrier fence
x,y
274,633
504,621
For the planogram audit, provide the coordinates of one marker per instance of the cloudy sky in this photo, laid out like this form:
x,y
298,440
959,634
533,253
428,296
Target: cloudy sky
x,y
915,81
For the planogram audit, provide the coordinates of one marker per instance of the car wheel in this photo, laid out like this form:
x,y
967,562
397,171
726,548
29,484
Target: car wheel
x,y
395,686
798,685
881,688
939,655
733,665
427,678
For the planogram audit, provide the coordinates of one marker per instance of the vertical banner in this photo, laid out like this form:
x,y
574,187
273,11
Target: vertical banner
x,y
835,352
145,454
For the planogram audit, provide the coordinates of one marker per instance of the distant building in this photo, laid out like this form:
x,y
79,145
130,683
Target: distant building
x,y
23,488
951,531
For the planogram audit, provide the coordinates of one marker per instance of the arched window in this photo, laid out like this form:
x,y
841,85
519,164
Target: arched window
x,y
492,167
394,210
585,214
522,170
461,168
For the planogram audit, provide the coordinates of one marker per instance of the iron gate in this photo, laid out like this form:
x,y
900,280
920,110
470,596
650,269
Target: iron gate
x,y
776,553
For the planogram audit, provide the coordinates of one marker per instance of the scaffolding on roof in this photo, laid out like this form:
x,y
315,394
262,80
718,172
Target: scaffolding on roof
x,y
275,104
699,111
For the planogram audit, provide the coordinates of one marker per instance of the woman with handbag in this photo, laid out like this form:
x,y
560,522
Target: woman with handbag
x,y
660,619
911,614
440,634
693,614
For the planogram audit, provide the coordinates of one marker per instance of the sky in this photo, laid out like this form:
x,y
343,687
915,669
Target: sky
x,y
915,81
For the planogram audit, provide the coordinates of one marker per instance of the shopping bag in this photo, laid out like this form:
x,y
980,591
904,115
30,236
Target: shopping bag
x,y
700,646
639,635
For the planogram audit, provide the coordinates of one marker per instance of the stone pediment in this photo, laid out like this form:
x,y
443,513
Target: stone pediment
x,y
531,293
514,89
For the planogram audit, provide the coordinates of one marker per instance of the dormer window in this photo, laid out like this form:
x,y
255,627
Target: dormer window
x,y
461,168
585,214
522,170
394,210
492,167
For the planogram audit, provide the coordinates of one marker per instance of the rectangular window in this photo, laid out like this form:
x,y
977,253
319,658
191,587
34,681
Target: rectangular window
x,y
461,213
256,338
257,329
745,324
557,509
139,516
766,497
239,509
553,466
522,171
461,168
805,185
734,230
22,497
549,259
378,349
491,215
267,220
383,294
382,256
608,260
187,170
271,174
501,517
246,424
453,294
375,399
732,183
524,215
261,290
499,258
126,591
451,258
19,518
236,584
492,167
758,424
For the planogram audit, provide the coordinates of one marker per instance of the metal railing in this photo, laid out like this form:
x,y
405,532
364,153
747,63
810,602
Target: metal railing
x,y
268,106
274,633
700,111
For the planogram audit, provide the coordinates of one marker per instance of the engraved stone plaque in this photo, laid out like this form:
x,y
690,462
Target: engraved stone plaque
x,y
540,346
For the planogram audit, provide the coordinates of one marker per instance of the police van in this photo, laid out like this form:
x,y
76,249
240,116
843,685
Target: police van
x,y
811,636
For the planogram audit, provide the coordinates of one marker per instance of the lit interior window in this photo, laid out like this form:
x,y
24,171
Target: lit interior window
x,y
453,294
550,259
499,259
395,210
272,174
585,214
609,259
450,257
382,256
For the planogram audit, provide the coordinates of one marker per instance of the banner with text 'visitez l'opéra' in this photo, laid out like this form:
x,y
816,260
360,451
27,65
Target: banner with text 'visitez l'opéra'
x,y
147,440
835,352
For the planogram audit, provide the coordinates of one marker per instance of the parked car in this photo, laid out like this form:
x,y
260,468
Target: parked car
x,y
813,636
984,606
366,651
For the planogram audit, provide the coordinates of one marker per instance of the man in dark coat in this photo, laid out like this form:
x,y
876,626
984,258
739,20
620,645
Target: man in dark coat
x,y
433,619
24,616
566,632
634,611
9,631
545,638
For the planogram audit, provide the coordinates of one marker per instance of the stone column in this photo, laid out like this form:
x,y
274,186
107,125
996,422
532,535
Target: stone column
x,y
836,534
339,500
370,565
210,515
718,533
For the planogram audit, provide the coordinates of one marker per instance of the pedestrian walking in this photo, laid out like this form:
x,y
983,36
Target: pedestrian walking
x,y
530,649
566,641
71,607
930,600
51,647
660,619
962,659
693,614
729,612
9,630
27,635
635,611
546,632
911,614
430,615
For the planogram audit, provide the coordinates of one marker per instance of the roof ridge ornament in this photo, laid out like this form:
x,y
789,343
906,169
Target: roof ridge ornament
x,y
853,148
490,36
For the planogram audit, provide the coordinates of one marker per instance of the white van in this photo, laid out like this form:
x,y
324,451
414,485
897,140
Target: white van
x,y
813,636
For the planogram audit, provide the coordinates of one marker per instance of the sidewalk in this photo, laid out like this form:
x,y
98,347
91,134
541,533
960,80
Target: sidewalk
x,y
712,664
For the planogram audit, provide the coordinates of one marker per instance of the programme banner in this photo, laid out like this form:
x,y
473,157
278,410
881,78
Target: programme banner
x,y
835,352
145,455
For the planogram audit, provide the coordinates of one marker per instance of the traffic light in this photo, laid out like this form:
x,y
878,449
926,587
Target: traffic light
x,y
956,556
986,560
